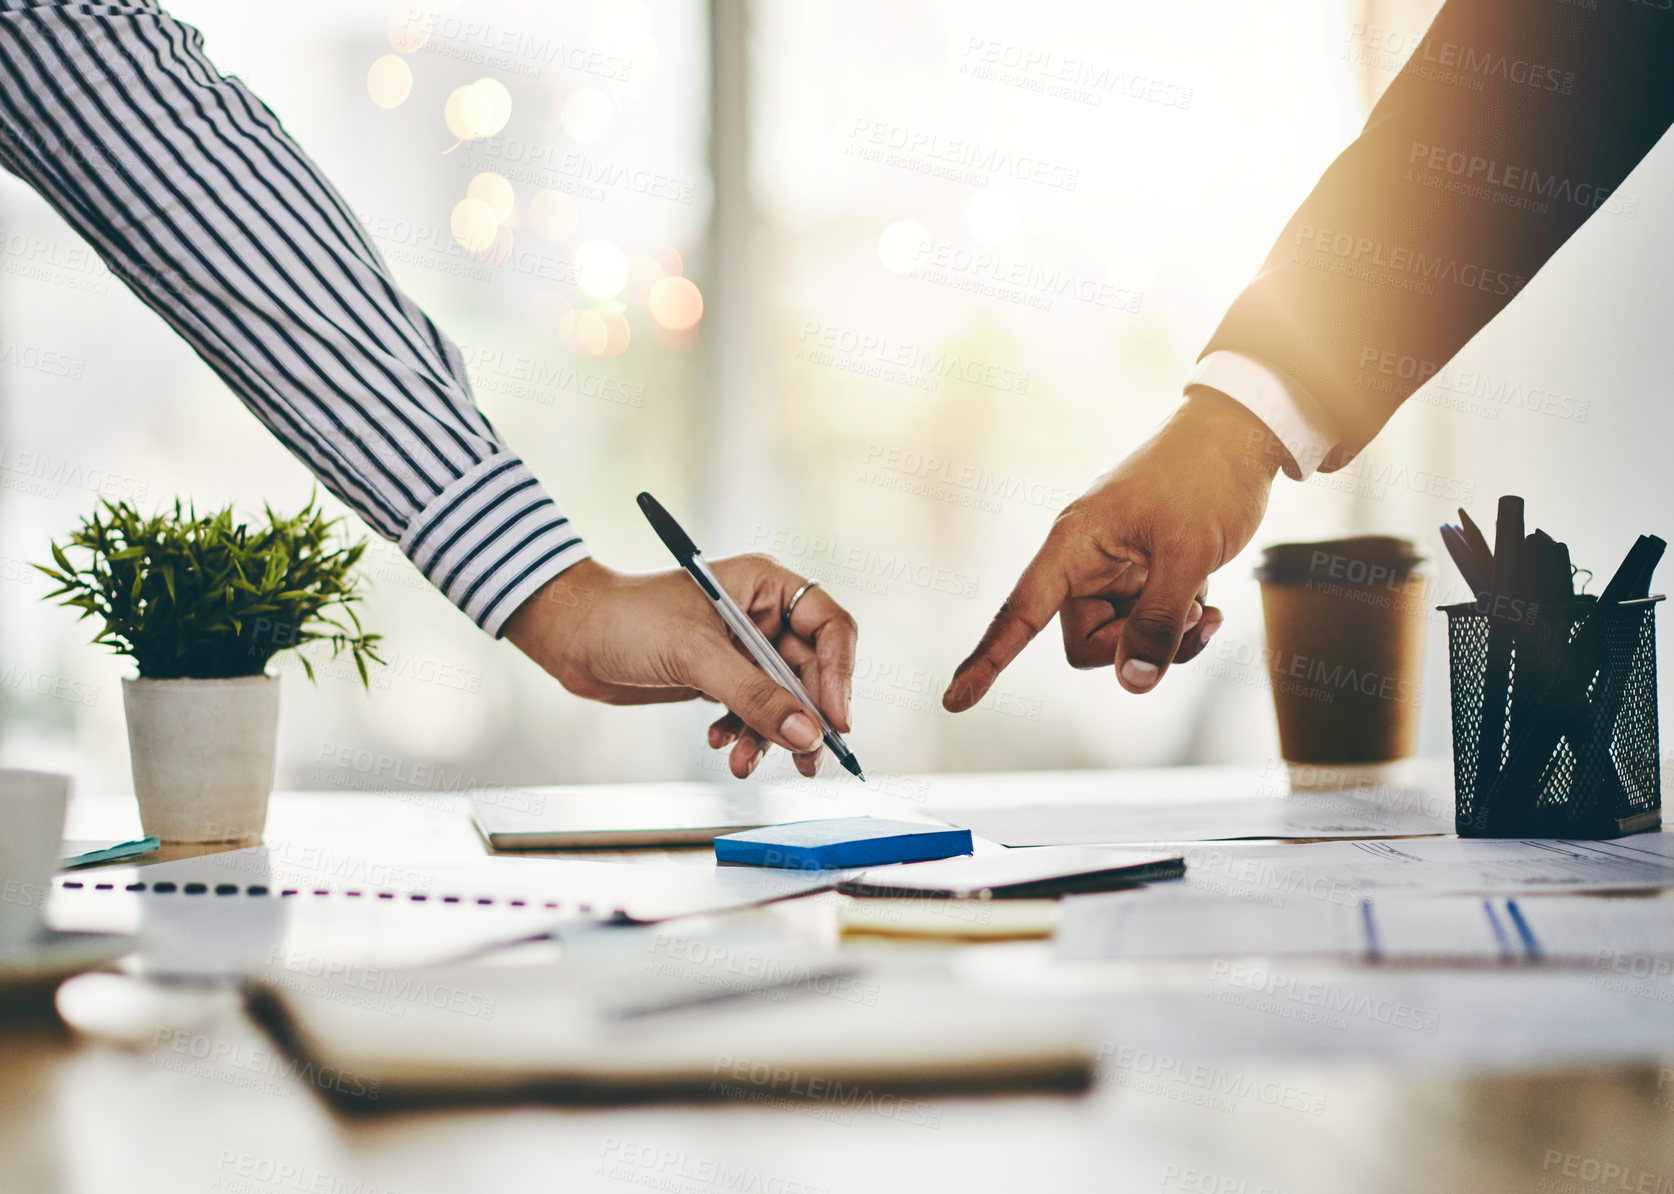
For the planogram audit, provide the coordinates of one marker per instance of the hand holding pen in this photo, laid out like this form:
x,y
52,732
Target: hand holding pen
x,y
788,662
640,639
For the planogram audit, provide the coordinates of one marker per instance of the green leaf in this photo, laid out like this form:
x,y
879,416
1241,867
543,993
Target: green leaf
x,y
219,576
277,563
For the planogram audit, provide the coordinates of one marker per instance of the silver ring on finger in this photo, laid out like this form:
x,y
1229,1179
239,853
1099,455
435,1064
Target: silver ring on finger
x,y
797,596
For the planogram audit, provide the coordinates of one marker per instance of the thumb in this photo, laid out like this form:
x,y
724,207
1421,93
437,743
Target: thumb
x,y
720,670
1041,589
1158,622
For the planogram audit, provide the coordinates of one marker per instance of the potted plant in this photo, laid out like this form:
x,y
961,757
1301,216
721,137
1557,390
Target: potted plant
x,y
201,603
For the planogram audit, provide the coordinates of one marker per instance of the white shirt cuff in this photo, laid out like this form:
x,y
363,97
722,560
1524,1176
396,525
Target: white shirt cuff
x,y
1301,424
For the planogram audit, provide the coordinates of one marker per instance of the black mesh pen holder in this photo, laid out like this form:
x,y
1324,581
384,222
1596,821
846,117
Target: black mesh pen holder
x,y
1573,752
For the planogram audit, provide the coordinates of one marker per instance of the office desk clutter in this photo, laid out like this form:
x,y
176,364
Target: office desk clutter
x,y
379,939
1554,692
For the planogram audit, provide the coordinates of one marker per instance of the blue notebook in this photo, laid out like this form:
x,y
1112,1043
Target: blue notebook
x,y
841,842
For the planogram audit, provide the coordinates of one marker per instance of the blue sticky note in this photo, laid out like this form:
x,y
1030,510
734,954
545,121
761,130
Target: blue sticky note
x,y
841,842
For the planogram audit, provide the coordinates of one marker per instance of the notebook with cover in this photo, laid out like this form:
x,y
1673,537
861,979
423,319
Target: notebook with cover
x,y
631,815
454,1032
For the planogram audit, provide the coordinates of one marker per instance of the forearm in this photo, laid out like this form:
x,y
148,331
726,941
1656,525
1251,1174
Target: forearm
x,y
196,197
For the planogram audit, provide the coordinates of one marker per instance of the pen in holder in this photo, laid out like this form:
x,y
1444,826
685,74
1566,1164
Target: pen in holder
x,y
1572,748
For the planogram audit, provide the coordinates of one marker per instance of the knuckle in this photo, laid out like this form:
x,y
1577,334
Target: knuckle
x,y
1155,626
757,560
1012,610
758,694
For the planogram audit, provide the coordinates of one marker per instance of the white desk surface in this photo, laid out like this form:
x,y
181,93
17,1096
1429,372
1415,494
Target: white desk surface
x,y
121,1102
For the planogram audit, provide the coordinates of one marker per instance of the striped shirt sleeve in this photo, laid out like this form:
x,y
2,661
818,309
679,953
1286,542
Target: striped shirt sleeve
x,y
195,196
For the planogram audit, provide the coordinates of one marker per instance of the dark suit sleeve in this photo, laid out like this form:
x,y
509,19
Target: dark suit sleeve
x,y
1513,121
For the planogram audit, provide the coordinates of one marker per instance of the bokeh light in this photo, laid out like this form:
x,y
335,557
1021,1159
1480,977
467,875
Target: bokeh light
x,y
602,269
994,214
676,304
616,336
552,215
478,109
644,272
465,113
496,191
499,102
586,115
902,246
390,81
473,225
584,333
499,248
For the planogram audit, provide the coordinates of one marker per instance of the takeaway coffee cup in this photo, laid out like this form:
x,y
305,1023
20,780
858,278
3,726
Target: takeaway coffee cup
x,y
1345,647
32,807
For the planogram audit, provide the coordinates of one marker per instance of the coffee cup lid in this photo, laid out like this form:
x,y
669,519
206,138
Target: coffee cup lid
x,y
1365,560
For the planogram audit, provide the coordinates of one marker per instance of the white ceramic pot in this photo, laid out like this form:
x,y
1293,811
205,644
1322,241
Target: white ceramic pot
x,y
202,753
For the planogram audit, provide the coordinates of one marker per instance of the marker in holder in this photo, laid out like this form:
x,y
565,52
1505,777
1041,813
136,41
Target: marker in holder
x,y
1578,752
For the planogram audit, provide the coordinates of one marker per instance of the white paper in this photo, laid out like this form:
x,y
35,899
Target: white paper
x,y
1442,928
1279,874
636,891
1297,815
1632,937
1135,925
1619,935
345,908
1234,1030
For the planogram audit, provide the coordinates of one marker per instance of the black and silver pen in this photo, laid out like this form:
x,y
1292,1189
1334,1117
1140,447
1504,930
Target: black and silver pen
x,y
739,622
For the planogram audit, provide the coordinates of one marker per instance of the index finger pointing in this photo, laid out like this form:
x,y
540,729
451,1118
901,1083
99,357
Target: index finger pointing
x,y
1041,589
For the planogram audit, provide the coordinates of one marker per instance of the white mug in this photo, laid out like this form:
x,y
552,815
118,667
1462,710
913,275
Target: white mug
x,y
32,805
